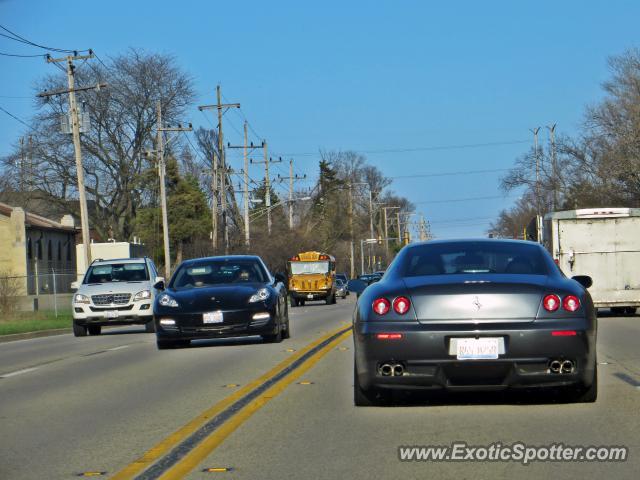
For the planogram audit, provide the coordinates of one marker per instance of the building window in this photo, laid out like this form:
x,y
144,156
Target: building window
x,y
39,249
59,251
68,249
49,251
29,249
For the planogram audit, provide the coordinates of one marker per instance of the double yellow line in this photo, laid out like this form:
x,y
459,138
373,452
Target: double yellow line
x,y
204,448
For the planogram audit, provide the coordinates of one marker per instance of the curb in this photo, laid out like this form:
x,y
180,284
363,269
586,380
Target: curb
x,y
37,334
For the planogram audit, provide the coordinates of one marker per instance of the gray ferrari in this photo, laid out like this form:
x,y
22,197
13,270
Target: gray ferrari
x,y
464,315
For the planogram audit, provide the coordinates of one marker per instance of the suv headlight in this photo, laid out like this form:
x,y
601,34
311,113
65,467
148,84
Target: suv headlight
x,y
143,295
260,296
167,301
79,298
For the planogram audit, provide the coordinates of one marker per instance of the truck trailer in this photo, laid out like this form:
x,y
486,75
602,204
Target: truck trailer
x,y
603,243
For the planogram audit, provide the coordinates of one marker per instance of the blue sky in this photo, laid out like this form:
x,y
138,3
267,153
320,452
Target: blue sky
x,y
365,76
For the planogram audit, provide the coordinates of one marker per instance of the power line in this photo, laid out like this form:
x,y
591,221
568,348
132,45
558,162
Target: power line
x,y
423,149
15,118
22,56
446,174
20,39
468,199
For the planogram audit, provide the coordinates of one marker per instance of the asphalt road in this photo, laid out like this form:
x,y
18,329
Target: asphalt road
x,y
99,403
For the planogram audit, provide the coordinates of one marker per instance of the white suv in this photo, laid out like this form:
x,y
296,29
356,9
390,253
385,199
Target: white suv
x,y
115,292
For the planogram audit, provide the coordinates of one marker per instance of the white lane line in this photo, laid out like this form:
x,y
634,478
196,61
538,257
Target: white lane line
x,y
117,348
19,372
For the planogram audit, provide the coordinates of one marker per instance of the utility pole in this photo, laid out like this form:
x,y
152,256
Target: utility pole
x,y
159,152
386,229
291,179
75,131
537,189
245,192
352,265
399,234
554,165
222,108
163,191
267,182
22,164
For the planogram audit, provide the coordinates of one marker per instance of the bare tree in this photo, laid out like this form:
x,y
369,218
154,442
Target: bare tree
x,y
123,120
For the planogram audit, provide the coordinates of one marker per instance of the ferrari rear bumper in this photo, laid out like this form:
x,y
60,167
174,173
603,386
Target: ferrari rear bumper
x,y
427,358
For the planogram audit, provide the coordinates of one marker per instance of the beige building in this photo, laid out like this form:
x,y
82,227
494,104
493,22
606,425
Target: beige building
x,y
40,253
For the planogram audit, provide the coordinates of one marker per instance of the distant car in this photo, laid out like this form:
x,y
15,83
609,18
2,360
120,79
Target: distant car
x,y
218,297
370,278
474,315
345,279
114,292
341,289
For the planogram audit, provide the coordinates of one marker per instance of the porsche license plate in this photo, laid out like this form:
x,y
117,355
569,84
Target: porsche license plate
x,y
212,317
477,348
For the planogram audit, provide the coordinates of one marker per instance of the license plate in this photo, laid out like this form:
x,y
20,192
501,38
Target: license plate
x,y
212,317
310,296
111,314
477,348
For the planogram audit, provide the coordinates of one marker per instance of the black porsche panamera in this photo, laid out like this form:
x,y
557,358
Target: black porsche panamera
x,y
219,297
466,315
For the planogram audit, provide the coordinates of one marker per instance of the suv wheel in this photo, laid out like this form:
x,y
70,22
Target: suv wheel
x,y
79,330
94,329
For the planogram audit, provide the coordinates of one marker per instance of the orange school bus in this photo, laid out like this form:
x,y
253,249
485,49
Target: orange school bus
x,y
312,276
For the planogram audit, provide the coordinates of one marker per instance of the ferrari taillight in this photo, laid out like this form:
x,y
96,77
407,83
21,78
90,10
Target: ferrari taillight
x,y
571,303
401,305
381,306
551,303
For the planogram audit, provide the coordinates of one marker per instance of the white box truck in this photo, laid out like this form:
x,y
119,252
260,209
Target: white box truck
x,y
107,251
603,243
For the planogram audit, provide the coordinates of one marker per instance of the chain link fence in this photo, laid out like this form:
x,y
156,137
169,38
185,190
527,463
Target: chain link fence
x,y
44,291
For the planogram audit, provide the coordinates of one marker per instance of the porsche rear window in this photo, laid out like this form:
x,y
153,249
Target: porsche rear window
x,y
474,258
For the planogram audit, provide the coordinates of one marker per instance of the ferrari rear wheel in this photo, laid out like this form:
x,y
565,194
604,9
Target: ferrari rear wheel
x,y
366,397
584,394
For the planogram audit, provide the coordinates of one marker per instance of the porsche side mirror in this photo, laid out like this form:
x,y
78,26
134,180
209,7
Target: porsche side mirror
x,y
356,286
280,278
585,280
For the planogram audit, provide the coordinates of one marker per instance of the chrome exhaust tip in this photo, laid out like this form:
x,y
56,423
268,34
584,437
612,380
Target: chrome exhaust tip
x,y
567,366
555,366
398,370
386,370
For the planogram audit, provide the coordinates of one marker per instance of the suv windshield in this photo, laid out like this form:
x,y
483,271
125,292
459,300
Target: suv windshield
x,y
117,272
216,272
474,257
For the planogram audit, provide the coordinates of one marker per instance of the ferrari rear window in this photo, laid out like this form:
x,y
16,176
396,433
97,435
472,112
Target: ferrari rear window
x,y
474,258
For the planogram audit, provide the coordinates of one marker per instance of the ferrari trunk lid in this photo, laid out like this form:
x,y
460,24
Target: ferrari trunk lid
x,y
487,298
